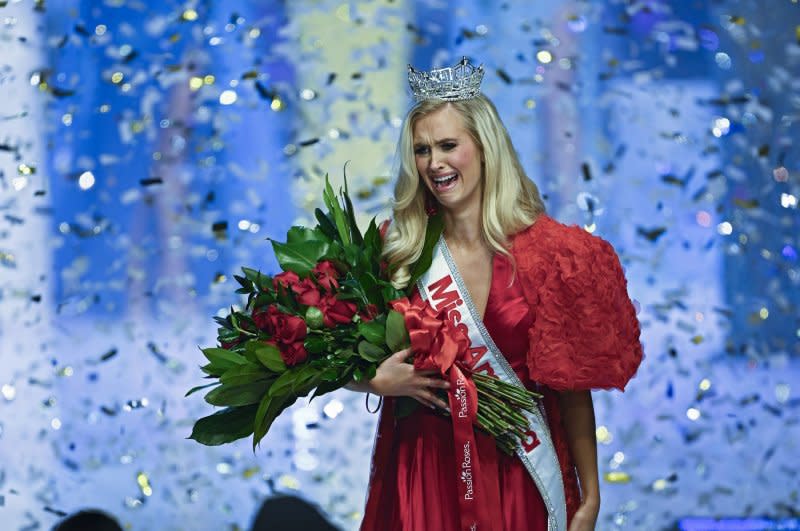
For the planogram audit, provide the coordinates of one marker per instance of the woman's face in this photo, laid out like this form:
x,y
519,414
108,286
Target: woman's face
x,y
448,160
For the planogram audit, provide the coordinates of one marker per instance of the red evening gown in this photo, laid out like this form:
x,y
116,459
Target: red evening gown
x,y
420,491
568,324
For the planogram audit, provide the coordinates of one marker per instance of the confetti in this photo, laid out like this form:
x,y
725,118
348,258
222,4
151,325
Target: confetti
x,y
669,130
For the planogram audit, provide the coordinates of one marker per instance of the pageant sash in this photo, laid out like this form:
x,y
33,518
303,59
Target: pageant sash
x,y
444,288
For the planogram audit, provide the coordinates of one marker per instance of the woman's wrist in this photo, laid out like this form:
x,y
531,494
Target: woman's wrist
x,y
364,386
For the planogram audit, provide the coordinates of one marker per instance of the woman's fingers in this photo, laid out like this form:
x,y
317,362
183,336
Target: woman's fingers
x,y
434,383
431,398
402,354
424,402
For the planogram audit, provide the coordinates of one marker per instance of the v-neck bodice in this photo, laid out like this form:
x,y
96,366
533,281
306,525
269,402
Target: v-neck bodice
x,y
507,317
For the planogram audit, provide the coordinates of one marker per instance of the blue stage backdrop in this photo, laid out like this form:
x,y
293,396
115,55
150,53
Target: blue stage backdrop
x,y
149,149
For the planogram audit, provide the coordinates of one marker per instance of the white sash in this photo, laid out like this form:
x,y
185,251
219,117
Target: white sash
x,y
443,286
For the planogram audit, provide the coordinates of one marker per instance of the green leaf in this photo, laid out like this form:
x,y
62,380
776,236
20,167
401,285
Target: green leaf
x,y
224,426
270,357
228,336
211,370
283,385
326,387
244,282
336,211
297,235
316,344
300,258
268,411
432,234
345,353
238,395
373,331
396,334
390,293
329,375
355,233
325,224
369,285
260,280
222,358
198,388
372,239
351,255
370,352
244,374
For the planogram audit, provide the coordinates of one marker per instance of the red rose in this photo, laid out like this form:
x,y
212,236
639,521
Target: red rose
x,y
261,319
369,313
306,292
335,311
287,279
283,327
293,353
326,275
288,333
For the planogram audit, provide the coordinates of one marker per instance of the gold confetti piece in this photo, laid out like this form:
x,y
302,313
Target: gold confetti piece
x,y
25,169
659,485
189,15
617,477
697,339
603,435
290,482
144,483
250,472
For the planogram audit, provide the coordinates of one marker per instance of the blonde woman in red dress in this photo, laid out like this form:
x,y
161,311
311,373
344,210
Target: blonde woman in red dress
x,y
548,301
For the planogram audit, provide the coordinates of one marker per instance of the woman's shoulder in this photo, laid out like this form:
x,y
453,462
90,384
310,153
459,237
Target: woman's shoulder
x,y
572,276
547,237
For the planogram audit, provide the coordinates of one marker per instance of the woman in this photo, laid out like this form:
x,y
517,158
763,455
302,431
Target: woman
x,y
552,306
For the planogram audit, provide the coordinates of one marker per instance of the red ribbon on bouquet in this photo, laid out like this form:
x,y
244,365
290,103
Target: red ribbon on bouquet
x,y
438,344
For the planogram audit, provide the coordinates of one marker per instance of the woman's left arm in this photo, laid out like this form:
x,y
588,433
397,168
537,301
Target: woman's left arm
x,y
577,412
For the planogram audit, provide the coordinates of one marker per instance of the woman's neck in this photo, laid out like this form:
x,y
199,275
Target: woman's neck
x,y
463,228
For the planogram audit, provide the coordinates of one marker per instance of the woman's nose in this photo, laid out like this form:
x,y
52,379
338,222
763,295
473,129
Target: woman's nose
x,y
436,160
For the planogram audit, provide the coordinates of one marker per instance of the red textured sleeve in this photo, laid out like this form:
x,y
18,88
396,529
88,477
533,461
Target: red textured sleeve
x,y
585,333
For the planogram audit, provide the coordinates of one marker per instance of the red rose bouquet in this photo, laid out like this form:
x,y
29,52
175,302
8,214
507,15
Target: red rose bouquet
x,y
332,316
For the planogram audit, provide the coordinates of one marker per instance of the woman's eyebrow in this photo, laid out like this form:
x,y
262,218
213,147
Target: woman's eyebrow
x,y
437,142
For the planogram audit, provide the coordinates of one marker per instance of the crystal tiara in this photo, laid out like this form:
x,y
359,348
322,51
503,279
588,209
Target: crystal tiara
x,y
459,82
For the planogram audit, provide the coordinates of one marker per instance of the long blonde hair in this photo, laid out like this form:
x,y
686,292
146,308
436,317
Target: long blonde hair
x,y
510,202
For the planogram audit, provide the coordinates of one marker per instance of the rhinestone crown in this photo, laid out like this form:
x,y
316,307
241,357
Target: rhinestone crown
x,y
459,82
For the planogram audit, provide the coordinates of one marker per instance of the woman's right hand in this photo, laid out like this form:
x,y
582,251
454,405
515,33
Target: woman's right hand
x,y
396,377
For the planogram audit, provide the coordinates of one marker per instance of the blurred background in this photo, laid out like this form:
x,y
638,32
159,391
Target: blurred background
x,y
149,149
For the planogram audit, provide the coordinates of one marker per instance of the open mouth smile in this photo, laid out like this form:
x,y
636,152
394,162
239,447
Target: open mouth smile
x,y
444,182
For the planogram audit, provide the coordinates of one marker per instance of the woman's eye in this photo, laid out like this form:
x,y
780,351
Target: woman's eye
x,y
448,146
421,150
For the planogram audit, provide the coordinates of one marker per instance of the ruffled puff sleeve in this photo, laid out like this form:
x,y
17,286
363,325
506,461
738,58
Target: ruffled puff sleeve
x,y
585,333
